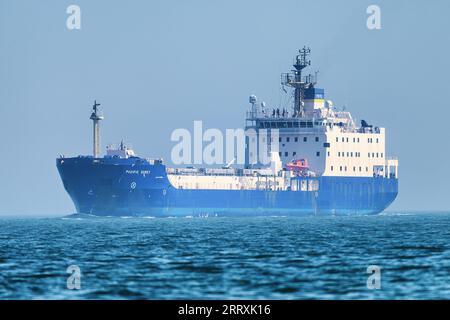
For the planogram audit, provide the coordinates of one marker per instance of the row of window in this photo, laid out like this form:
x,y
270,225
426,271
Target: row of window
x,y
316,139
356,140
289,124
374,154
349,154
286,154
305,139
344,168
340,154
358,154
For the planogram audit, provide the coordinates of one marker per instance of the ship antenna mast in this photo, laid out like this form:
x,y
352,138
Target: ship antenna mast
x,y
96,117
299,83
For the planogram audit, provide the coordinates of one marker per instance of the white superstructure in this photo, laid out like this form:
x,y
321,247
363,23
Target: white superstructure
x,y
333,145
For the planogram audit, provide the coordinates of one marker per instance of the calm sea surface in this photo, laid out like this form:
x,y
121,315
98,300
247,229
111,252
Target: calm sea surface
x,y
226,258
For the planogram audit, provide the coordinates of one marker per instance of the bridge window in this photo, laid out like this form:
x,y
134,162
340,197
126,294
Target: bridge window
x,y
318,154
294,154
337,139
286,154
305,139
317,139
287,139
296,139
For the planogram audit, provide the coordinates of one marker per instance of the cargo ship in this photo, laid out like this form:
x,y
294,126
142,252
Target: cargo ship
x,y
320,162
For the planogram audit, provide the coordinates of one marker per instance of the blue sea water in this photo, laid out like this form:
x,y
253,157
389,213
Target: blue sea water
x,y
227,258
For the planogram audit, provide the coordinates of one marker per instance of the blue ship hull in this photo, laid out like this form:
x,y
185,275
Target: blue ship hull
x,y
135,187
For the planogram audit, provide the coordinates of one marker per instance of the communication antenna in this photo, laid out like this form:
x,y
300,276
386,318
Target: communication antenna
x,y
301,60
298,82
253,100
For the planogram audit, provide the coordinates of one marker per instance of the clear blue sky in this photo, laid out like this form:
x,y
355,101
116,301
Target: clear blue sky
x,y
159,65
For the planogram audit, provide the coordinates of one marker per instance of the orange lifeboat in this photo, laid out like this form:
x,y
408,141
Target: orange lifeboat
x,y
298,166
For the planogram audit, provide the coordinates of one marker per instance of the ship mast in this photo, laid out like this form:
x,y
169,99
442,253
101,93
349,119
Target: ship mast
x,y
96,117
299,83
